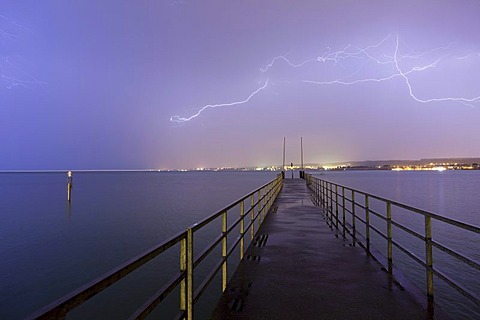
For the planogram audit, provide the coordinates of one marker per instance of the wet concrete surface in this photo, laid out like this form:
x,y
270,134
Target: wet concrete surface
x,y
302,269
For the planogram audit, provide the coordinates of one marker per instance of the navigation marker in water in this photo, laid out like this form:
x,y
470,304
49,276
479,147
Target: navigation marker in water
x,y
69,185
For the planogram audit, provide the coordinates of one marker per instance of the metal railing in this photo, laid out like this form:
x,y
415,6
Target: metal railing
x,y
260,201
340,201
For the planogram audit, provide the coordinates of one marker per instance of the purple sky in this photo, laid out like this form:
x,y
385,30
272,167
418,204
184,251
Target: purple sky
x,y
94,84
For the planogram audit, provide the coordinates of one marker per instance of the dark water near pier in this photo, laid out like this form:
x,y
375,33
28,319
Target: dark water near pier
x,y
452,194
49,248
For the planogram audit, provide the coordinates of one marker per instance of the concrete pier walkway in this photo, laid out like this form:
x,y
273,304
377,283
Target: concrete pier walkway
x,y
299,269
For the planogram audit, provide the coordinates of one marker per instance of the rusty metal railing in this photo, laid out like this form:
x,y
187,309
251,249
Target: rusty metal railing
x,y
340,201
260,201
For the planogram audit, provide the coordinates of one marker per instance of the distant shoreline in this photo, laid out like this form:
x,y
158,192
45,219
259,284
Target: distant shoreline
x,y
422,164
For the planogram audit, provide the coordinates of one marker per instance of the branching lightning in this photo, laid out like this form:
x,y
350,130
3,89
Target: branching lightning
x,y
335,57
407,81
11,74
354,59
362,53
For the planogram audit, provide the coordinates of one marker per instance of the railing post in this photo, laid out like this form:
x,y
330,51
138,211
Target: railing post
x,y
268,200
331,202
336,206
326,205
320,191
354,230
429,254
189,293
242,229
389,237
259,207
317,191
343,211
183,268
322,187
328,199
324,192
264,203
367,223
252,217
318,184
224,251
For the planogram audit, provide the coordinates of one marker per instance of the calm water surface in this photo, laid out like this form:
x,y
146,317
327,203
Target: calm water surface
x,y
49,248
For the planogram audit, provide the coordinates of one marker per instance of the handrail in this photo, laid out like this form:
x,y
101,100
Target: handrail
x,y
261,199
326,193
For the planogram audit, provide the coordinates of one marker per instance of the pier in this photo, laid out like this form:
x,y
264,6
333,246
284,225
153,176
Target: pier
x,y
300,249
305,270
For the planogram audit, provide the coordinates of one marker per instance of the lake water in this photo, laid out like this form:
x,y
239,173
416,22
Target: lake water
x,y
453,194
49,248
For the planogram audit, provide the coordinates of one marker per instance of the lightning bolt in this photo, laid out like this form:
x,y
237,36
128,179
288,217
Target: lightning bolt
x,y
335,57
11,74
467,101
390,77
362,53
365,57
179,119
284,58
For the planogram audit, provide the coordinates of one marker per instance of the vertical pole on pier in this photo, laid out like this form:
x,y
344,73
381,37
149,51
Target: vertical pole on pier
x,y
252,216
429,254
367,223
69,185
242,229
389,237
301,156
224,251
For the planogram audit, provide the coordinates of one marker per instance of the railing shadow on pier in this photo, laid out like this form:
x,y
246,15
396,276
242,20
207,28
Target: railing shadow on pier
x,y
345,208
253,208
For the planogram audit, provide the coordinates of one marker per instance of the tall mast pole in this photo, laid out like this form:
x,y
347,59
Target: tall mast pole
x,y
283,167
301,150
